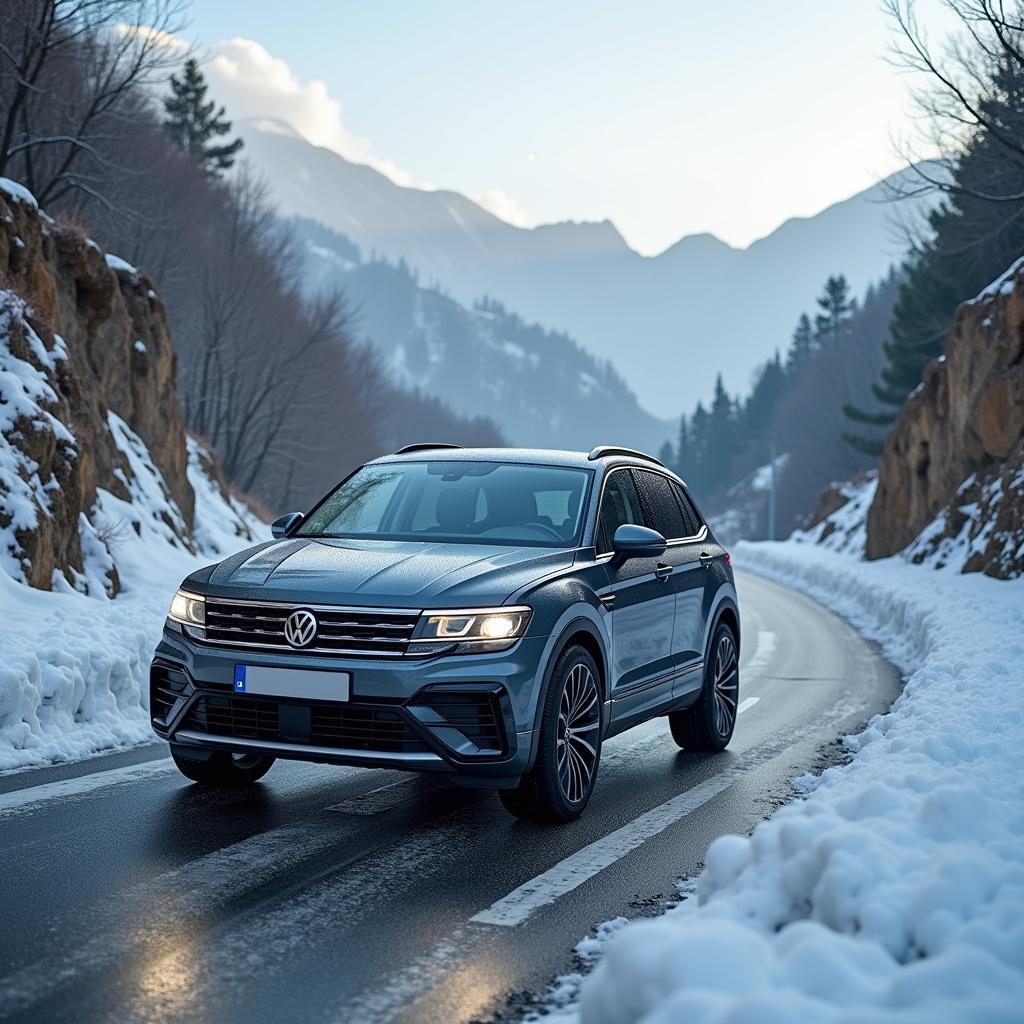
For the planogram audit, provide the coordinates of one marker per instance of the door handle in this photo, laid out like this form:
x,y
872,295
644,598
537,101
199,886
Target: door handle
x,y
662,571
706,559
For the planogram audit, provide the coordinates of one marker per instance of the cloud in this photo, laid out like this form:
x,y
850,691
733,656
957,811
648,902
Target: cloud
x,y
503,206
251,82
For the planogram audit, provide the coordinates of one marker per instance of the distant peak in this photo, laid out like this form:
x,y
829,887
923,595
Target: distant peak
x,y
272,126
586,233
702,242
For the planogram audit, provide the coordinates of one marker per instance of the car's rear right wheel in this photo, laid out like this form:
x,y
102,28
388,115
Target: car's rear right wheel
x,y
708,724
222,768
559,785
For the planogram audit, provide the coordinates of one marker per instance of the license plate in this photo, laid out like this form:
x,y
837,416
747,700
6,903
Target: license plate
x,y
307,684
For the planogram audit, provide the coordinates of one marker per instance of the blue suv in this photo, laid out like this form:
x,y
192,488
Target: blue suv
x,y
492,614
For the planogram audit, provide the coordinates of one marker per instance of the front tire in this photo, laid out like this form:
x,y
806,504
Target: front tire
x,y
223,768
708,724
559,785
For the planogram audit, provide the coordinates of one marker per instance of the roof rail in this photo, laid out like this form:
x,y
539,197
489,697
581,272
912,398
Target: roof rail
x,y
425,446
610,449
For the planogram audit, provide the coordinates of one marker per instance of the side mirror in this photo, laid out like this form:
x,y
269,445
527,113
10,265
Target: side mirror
x,y
632,541
280,527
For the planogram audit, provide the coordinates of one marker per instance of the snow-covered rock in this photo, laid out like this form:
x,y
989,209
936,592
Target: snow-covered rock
x,y
962,428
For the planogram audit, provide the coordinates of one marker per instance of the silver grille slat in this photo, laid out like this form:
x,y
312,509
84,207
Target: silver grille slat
x,y
340,629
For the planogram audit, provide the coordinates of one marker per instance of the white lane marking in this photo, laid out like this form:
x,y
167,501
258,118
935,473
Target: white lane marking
x,y
569,874
746,705
764,651
396,994
22,800
383,798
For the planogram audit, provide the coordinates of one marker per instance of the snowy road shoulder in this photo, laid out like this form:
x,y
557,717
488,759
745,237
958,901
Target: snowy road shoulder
x,y
895,890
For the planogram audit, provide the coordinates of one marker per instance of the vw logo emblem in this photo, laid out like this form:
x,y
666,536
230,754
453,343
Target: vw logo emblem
x,y
300,628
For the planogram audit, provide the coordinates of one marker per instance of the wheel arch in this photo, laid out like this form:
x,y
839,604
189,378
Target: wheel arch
x,y
729,615
584,632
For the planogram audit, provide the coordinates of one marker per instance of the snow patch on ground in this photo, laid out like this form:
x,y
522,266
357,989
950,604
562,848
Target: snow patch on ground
x,y
894,892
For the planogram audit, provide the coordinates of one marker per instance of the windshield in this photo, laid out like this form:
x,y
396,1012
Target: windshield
x,y
464,502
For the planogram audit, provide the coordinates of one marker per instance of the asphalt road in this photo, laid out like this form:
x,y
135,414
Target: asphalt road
x,y
349,895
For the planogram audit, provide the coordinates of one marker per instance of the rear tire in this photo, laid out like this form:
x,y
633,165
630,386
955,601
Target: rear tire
x,y
708,724
223,768
559,785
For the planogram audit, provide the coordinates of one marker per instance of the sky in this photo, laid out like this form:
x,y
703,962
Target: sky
x,y
668,118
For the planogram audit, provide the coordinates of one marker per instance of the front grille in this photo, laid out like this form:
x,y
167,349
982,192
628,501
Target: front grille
x,y
360,631
167,685
349,728
472,714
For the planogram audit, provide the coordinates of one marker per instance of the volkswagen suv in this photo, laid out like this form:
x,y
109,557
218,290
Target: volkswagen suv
x,y
490,614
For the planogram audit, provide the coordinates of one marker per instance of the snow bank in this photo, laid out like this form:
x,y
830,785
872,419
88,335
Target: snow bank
x,y
895,891
74,668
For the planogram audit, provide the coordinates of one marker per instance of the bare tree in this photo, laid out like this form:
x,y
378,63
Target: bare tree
x,y
71,73
974,81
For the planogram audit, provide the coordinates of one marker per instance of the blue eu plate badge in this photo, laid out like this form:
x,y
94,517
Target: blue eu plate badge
x,y
239,679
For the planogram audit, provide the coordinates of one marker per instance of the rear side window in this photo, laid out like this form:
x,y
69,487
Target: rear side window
x,y
666,515
690,513
620,504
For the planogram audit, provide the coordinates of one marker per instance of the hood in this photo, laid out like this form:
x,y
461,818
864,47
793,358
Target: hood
x,y
381,572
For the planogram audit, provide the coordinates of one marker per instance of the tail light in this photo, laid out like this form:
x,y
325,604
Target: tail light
x,y
728,558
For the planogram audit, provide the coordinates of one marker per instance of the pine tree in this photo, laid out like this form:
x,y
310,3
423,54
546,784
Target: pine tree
x,y
802,346
193,122
759,409
722,437
694,462
836,308
682,444
667,454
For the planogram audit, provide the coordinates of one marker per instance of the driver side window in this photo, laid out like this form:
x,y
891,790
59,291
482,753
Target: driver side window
x,y
620,504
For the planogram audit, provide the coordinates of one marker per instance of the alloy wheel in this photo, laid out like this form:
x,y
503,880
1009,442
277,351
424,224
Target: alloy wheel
x,y
579,719
726,684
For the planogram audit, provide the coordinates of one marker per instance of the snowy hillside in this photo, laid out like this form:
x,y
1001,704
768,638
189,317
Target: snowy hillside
x,y
644,313
74,669
540,387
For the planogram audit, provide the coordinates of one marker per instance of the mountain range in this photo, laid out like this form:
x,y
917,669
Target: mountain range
x,y
539,387
668,322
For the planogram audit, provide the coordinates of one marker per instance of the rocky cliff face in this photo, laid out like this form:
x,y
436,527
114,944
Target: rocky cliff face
x,y
952,473
87,403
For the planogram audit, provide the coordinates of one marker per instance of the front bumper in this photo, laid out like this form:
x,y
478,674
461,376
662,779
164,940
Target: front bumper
x,y
470,716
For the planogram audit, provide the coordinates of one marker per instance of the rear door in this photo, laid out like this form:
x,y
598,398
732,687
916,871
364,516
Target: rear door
x,y
694,599
642,609
665,513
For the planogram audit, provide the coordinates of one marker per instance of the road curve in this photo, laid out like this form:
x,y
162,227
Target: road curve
x,y
348,895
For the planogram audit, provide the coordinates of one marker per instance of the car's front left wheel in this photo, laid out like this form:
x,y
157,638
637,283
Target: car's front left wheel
x,y
559,785
222,767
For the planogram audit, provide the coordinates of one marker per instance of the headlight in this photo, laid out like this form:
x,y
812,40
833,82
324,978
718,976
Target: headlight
x,y
188,609
470,629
